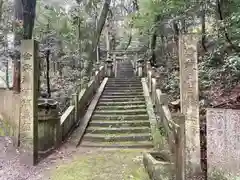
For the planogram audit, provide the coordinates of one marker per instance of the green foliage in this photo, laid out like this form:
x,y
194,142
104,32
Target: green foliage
x,y
219,67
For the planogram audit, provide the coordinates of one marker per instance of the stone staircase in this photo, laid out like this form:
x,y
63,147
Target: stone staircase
x,y
120,118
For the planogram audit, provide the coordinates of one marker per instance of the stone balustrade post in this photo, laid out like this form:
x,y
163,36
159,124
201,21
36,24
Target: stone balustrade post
x,y
125,57
75,104
154,85
159,80
140,67
150,80
49,133
148,65
179,119
134,62
109,68
115,64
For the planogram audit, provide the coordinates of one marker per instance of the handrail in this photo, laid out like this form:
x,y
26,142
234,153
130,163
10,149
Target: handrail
x,y
80,101
174,124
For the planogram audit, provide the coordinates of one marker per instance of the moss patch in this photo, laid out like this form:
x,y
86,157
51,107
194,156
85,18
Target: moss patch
x,y
103,165
5,128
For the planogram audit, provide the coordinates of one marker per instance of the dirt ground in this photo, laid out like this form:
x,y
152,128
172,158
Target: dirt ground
x,y
70,163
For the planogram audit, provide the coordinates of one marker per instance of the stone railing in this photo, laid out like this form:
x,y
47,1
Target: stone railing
x,y
52,128
173,124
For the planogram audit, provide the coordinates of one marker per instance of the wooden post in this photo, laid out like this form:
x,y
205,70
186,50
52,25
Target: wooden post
x,y
28,106
179,119
189,95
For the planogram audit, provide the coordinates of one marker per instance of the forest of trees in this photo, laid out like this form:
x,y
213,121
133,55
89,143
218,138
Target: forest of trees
x,y
71,33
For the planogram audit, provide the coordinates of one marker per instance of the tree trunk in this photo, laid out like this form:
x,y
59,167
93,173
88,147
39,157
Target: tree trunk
x,y
29,7
47,73
203,22
153,46
154,42
23,28
17,41
89,63
221,17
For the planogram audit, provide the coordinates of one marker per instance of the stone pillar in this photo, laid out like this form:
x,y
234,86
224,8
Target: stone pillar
x,y
28,103
189,95
135,65
140,67
154,86
160,80
115,64
149,80
109,66
125,57
48,126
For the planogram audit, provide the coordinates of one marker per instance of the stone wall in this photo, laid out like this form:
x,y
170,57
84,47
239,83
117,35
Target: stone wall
x,y
223,140
9,113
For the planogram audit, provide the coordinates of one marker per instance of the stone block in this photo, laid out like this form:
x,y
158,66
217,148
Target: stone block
x,y
158,166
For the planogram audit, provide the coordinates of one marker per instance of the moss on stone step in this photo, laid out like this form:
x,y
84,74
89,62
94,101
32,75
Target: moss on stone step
x,y
103,165
119,117
124,107
118,137
111,123
113,130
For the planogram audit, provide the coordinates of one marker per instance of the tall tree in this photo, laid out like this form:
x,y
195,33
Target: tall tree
x,y
24,13
100,24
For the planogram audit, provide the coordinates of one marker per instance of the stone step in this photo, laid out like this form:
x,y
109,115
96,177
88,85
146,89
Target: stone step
x,y
117,137
124,85
123,88
123,82
123,144
112,96
123,107
122,93
112,130
126,99
119,90
121,112
125,78
114,117
127,89
126,123
127,103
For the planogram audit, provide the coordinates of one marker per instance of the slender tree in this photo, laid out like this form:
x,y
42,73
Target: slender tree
x,y
24,13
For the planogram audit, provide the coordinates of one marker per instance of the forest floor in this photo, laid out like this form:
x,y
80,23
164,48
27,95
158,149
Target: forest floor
x,y
70,163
